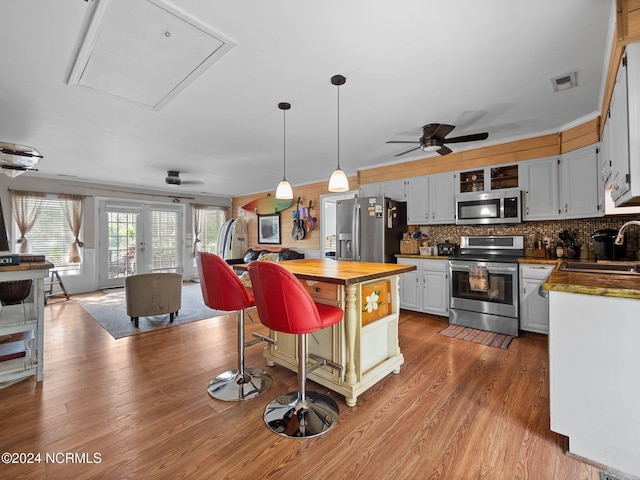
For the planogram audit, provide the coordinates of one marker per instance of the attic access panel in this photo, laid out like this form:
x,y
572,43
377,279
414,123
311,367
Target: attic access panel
x,y
143,51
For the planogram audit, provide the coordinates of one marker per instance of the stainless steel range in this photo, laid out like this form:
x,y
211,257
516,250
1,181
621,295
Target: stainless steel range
x,y
484,283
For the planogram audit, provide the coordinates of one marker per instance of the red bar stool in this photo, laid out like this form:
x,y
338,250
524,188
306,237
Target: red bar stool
x,y
285,306
222,289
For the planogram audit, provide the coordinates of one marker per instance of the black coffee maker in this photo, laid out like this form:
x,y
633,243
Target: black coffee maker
x,y
604,248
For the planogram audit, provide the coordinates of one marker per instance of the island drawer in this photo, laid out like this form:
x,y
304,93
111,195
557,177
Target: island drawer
x,y
327,291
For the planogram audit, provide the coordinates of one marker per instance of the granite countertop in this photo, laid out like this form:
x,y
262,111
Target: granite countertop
x,y
607,285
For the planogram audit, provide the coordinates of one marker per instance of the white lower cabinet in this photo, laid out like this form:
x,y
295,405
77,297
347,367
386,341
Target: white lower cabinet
x,y
534,308
425,289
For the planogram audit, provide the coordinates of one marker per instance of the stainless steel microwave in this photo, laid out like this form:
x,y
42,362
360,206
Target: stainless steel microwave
x,y
500,206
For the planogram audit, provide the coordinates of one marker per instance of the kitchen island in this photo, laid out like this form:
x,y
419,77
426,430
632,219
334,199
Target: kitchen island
x,y
593,361
366,341
22,325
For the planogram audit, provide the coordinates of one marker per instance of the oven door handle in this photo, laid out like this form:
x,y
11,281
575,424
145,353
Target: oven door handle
x,y
493,269
490,268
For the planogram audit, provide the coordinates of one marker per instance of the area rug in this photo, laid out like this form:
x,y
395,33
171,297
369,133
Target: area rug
x,y
490,339
110,312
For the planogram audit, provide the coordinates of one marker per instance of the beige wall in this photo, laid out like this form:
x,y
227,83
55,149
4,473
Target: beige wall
x,y
309,192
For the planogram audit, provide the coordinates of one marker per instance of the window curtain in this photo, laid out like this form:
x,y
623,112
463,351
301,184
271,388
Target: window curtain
x,y
26,209
198,220
73,207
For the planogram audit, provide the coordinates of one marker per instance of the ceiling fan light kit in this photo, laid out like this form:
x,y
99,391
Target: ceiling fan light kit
x,y
173,178
338,181
284,190
17,159
433,139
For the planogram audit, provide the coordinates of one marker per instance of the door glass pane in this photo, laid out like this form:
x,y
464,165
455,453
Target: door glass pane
x,y
164,227
211,223
121,236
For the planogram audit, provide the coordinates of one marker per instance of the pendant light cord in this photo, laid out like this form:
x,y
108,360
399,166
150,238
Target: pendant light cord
x,y
284,144
338,127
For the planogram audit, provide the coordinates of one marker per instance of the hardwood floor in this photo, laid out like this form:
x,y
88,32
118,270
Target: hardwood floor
x,y
138,408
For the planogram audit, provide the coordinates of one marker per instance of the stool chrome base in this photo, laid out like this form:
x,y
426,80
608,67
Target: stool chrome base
x,y
232,386
288,417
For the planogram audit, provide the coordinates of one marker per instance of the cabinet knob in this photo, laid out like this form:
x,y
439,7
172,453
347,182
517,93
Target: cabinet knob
x,y
317,289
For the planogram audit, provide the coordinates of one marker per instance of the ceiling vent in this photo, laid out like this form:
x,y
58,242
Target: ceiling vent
x,y
564,82
142,51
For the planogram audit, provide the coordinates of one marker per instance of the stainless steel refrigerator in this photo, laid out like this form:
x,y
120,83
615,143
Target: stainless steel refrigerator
x,y
369,229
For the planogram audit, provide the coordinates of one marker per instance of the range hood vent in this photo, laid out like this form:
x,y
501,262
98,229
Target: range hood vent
x,y
142,51
564,82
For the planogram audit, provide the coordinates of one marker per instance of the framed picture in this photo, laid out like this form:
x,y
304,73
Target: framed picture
x,y
269,229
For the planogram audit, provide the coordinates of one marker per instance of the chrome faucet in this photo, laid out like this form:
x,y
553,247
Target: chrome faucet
x,y
620,237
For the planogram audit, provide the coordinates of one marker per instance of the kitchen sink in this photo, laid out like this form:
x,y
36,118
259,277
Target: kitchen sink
x,y
616,268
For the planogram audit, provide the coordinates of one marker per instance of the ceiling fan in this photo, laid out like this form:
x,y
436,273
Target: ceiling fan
x,y
17,159
173,178
433,139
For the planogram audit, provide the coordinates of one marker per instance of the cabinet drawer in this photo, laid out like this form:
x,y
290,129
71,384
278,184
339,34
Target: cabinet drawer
x,y
327,291
435,265
536,271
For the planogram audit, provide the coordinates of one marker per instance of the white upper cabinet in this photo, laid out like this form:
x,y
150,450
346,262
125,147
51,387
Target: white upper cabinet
x,y
431,199
562,187
418,200
619,131
579,184
442,205
394,189
604,152
540,189
624,132
369,190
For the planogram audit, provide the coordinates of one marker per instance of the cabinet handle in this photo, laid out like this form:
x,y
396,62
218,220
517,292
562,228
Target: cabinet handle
x,y
566,208
527,209
433,215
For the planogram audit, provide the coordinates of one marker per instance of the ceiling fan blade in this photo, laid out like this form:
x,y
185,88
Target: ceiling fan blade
x,y
436,130
467,138
401,141
444,150
397,155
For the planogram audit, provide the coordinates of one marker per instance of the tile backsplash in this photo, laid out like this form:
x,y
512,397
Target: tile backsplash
x,y
583,228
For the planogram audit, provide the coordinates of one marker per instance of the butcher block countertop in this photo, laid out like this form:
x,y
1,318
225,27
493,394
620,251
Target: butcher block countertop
x,y
421,257
342,272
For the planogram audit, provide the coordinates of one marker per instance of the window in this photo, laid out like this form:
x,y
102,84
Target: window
x,y
50,235
212,219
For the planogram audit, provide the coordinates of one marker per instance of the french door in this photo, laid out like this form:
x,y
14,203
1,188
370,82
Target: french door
x,y
138,238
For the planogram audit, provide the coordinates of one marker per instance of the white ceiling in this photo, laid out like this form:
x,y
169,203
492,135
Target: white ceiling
x,y
480,65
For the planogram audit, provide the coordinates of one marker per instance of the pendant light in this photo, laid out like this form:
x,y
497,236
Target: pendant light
x,y
338,181
284,190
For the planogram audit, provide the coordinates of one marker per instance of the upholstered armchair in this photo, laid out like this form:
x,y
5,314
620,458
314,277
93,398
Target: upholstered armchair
x,y
149,294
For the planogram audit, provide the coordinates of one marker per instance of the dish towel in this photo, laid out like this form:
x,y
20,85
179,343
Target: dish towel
x,y
478,279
